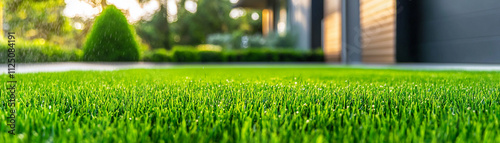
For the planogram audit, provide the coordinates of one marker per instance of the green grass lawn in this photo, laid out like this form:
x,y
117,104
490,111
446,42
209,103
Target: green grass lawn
x,y
256,104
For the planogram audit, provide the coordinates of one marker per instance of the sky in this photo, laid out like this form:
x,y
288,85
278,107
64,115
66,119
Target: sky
x,y
85,10
78,8
82,9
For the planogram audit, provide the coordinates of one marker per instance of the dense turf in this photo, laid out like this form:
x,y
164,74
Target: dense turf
x,y
279,104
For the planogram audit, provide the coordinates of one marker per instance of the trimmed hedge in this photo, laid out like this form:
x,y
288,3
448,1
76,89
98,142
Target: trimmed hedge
x,y
158,55
32,53
253,55
210,56
111,38
185,55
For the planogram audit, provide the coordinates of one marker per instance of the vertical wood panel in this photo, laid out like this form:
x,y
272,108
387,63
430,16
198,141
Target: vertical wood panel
x,y
267,21
378,27
332,31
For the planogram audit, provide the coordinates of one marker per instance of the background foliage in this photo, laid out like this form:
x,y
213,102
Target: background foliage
x,y
42,22
38,19
31,52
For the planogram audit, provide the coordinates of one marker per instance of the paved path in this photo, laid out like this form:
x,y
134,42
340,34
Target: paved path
x,y
81,66
69,66
437,66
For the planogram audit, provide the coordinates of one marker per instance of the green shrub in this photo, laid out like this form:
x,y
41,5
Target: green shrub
x,y
191,54
159,55
232,56
224,40
186,55
111,38
316,56
209,47
251,55
269,55
292,56
211,56
28,52
184,47
259,55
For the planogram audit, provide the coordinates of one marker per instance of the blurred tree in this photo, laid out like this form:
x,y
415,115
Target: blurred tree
x,y
96,3
211,16
181,32
1,20
156,32
80,35
34,19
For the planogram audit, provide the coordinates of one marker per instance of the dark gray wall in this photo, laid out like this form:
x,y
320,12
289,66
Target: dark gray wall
x,y
465,31
351,32
407,17
316,19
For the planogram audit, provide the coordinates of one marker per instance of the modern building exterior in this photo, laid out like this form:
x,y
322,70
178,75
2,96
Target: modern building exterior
x,y
448,31
390,31
302,18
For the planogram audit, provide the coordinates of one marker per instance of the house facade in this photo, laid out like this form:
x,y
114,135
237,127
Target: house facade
x,y
301,18
389,31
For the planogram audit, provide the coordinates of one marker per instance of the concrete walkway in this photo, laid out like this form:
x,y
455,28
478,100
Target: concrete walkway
x,y
103,66
79,66
439,66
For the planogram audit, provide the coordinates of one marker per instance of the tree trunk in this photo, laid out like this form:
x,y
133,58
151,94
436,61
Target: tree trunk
x,y
166,26
104,3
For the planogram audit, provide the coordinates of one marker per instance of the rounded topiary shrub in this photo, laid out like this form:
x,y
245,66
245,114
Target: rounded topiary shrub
x,y
111,38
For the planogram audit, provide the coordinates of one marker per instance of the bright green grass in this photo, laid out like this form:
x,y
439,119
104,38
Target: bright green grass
x,y
256,104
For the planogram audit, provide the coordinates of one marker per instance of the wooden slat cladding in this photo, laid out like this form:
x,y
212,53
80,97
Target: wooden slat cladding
x,y
267,21
378,27
332,31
